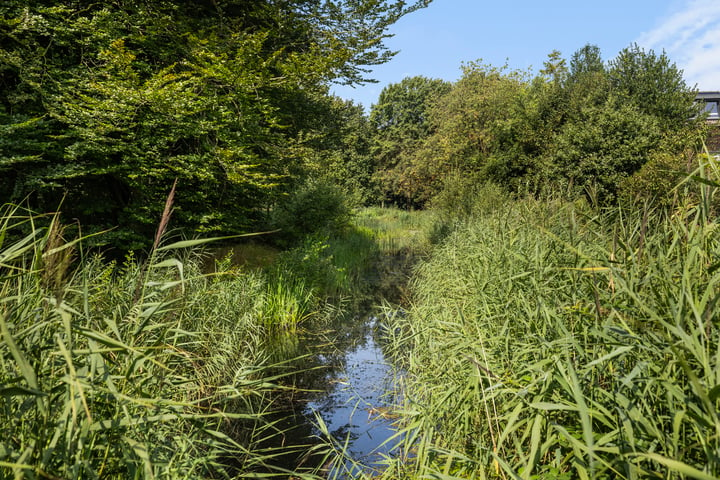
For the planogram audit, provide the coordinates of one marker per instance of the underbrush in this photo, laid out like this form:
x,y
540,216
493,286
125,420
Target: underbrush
x,y
144,369
550,340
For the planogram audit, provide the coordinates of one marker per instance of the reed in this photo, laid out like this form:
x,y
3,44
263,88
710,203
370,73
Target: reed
x,y
138,370
552,340
396,230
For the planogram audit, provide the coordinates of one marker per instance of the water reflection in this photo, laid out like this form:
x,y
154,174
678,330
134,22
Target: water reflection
x,y
357,409
342,377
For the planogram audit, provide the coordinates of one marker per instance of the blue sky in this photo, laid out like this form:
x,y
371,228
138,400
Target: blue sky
x,y
435,41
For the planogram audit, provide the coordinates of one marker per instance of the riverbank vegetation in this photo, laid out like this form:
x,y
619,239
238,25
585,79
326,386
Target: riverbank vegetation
x,y
151,367
552,339
550,237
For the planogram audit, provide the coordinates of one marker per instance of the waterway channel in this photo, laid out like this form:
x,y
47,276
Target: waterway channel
x,y
347,392
344,397
356,409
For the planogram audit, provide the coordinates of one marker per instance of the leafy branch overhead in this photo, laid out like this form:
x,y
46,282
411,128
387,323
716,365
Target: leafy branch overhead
x,y
105,103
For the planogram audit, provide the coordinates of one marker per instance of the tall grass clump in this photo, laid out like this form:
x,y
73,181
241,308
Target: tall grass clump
x,y
321,272
552,340
395,230
141,370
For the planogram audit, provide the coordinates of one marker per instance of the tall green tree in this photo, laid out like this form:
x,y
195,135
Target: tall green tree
x,y
654,84
478,125
604,122
401,122
586,60
621,116
105,104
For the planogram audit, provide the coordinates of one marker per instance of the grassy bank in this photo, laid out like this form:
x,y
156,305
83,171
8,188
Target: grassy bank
x,y
153,367
549,340
140,370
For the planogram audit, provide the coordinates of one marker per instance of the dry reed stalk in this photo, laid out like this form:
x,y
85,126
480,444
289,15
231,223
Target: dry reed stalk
x,y
162,227
56,260
165,219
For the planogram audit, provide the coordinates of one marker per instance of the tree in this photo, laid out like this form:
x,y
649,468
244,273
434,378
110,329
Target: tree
x,y
555,67
401,122
602,146
654,84
604,123
105,104
477,123
586,61
343,155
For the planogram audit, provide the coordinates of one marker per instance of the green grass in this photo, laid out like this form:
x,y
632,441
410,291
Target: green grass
x,y
548,340
141,370
397,230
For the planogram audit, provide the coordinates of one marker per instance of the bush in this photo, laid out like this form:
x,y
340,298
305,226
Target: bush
x,y
315,207
656,180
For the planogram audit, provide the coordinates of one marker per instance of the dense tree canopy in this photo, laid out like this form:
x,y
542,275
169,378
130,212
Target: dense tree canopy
x,y
401,122
105,104
582,128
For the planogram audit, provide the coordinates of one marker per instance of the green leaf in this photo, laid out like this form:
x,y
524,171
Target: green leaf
x,y
677,466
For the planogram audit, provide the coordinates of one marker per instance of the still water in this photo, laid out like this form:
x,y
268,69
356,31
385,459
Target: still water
x,y
357,407
347,385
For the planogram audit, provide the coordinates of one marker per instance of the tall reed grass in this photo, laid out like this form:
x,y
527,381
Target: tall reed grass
x,y
550,340
396,231
140,370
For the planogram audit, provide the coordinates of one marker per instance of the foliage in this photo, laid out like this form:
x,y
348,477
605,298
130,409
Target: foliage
x,y
547,340
315,207
618,118
106,104
344,158
401,121
478,123
586,127
657,181
604,146
401,111
654,84
586,61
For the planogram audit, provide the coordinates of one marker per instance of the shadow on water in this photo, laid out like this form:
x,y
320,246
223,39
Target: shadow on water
x,y
357,409
339,388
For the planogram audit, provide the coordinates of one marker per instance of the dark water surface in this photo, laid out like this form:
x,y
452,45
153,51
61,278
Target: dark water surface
x,y
357,408
347,385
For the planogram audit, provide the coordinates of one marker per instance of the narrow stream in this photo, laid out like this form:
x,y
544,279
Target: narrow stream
x,y
345,383
356,408
341,380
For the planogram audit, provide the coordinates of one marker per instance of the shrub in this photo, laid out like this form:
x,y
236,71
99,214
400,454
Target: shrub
x,y
314,207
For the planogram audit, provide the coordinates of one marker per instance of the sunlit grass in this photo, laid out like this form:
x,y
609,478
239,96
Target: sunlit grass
x,y
549,340
397,230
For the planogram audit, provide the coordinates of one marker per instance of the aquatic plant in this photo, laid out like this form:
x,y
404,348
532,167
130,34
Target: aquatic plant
x,y
553,340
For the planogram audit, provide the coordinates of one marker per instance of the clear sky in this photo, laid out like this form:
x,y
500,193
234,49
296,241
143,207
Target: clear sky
x,y
435,41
